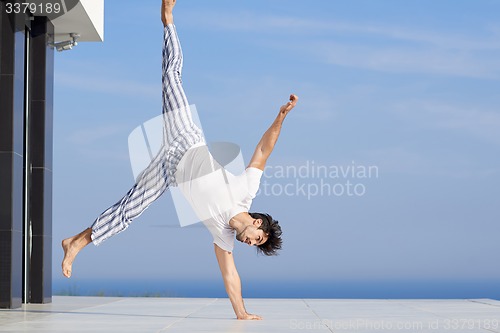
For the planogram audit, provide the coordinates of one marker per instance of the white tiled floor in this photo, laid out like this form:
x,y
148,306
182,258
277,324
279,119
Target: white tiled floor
x,y
106,314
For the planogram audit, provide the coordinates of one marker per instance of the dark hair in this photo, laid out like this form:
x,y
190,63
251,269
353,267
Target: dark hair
x,y
273,230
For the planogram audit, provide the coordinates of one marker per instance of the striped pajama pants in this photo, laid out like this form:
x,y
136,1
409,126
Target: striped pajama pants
x,y
179,134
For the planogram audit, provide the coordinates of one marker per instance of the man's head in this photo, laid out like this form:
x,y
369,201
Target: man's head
x,y
272,231
251,234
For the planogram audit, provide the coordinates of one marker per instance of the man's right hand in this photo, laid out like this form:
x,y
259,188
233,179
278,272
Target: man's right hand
x,y
249,316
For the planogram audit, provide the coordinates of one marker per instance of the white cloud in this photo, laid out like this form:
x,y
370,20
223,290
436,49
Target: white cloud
x,y
479,123
94,154
251,21
391,48
93,135
107,85
404,160
400,160
439,39
409,60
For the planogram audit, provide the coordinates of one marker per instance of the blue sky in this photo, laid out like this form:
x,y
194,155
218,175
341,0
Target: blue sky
x,y
410,87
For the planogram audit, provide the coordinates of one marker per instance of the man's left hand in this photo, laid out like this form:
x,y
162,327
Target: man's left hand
x,y
290,105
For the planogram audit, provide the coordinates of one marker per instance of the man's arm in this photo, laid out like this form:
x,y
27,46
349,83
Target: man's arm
x,y
268,140
232,283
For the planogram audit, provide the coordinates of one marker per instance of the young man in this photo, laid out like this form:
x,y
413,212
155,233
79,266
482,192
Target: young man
x,y
221,200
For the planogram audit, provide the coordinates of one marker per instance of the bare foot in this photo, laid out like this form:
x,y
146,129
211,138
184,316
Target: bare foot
x,y
69,256
167,7
71,247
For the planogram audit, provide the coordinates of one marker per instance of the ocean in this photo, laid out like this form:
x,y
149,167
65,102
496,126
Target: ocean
x,y
379,289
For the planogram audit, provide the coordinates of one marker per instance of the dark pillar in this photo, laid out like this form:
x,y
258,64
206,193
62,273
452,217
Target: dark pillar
x,y
12,51
40,151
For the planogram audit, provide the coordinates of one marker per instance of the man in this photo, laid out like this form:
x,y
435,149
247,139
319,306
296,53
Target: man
x,y
221,200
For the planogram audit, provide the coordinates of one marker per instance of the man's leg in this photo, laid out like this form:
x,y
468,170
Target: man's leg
x,y
153,181
150,185
180,132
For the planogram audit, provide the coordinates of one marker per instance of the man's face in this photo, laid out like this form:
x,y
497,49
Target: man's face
x,y
252,235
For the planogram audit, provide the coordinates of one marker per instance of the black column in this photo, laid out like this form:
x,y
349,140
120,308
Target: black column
x,y
12,50
40,151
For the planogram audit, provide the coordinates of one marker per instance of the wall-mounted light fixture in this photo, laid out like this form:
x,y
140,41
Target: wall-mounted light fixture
x,y
67,44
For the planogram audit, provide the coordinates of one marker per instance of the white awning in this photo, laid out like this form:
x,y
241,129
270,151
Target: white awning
x,y
83,17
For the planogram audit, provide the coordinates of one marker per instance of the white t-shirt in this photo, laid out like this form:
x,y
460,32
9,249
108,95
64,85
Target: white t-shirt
x,y
215,194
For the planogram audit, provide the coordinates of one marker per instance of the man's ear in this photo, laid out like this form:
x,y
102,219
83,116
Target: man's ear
x,y
257,222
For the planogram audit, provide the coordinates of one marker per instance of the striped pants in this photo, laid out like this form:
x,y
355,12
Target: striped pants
x,y
180,133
